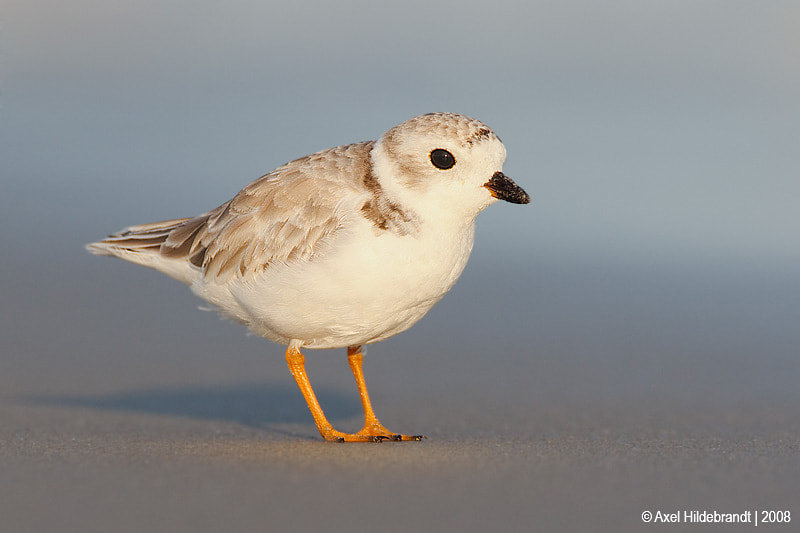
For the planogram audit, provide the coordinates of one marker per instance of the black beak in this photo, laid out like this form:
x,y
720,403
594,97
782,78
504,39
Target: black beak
x,y
504,188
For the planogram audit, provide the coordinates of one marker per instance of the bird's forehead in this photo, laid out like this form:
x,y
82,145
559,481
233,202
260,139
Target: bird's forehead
x,y
459,129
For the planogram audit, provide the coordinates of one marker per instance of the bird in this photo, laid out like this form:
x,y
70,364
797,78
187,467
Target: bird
x,y
342,248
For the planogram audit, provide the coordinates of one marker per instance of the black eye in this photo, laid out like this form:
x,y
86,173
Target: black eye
x,y
442,159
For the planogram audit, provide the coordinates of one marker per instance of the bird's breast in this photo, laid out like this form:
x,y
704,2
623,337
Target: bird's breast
x,y
369,286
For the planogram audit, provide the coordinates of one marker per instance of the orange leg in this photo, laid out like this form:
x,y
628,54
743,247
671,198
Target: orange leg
x,y
373,430
372,426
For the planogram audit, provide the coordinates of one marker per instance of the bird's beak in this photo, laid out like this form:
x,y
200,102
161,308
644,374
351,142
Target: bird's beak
x,y
504,188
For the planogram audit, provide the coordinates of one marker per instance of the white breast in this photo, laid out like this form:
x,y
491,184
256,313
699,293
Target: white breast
x,y
369,286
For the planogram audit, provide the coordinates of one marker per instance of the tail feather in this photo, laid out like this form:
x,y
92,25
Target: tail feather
x,y
143,238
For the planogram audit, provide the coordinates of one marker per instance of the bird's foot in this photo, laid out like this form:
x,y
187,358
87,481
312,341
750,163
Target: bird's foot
x,y
370,433
357,437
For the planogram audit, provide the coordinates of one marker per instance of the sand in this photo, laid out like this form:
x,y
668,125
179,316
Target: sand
x,y
123,408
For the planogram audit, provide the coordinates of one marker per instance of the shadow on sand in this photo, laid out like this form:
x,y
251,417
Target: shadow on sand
x,y
254,405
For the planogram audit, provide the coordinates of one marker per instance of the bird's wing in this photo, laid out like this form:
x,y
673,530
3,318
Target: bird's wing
x,y
286,215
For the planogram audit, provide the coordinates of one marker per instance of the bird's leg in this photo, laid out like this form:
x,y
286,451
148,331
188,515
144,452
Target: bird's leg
x,y
297,366
372,426
373,430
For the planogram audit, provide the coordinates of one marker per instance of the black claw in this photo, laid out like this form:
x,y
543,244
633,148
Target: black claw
x,y
381,438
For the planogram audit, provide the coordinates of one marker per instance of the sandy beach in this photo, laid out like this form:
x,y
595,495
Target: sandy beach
x,y
124,419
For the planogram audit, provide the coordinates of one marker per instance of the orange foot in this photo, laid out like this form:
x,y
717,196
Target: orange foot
x,y
370,433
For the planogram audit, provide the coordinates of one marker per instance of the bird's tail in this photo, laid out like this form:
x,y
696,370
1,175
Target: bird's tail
x,y
144,239
145,245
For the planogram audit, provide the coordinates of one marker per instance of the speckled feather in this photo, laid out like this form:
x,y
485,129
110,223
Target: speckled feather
x,y
281,217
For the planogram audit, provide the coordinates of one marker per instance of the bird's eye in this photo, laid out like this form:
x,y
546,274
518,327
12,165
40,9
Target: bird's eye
x,y
442,159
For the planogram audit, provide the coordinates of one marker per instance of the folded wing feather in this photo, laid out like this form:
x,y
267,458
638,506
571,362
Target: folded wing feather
x,y
283,216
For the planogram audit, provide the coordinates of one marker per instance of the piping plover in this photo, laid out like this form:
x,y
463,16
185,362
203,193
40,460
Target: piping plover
x,y
341,248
